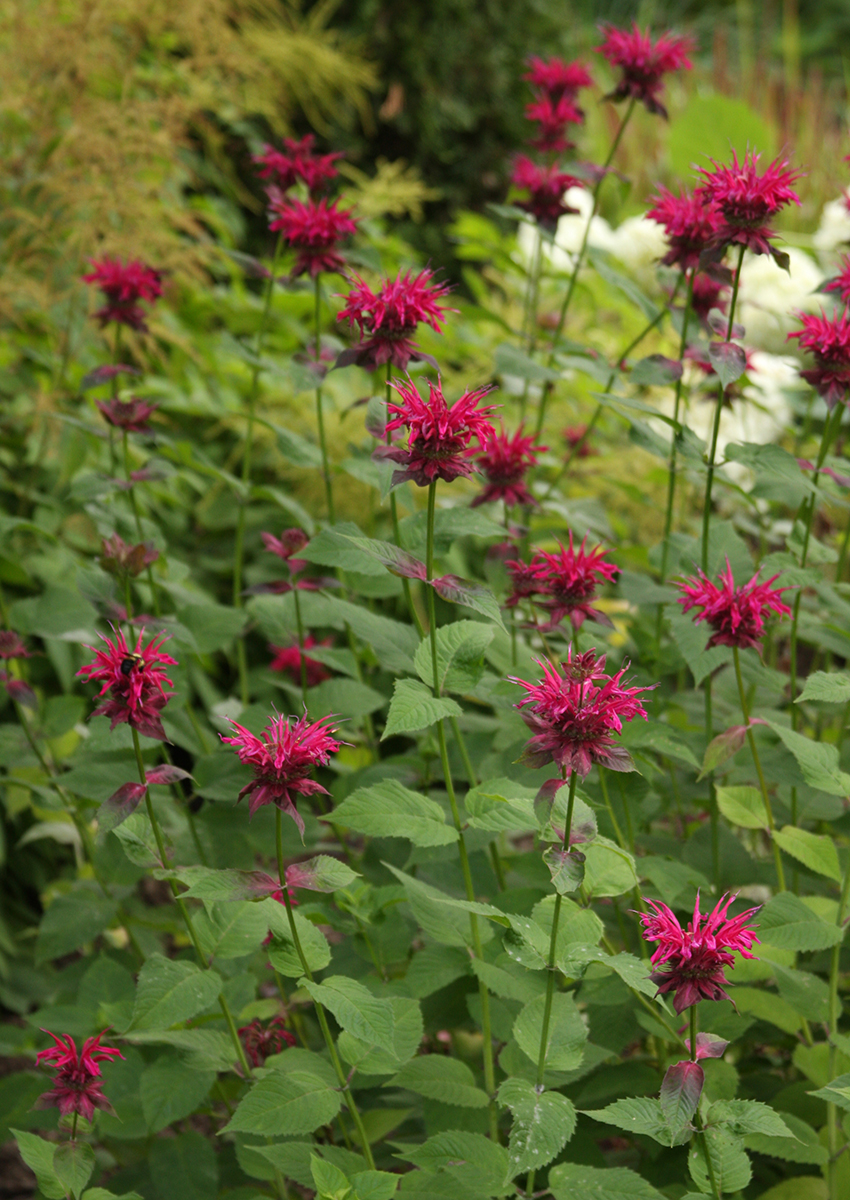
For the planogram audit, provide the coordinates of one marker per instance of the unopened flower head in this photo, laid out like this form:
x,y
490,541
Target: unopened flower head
x,y
124,285
567,582
547,186
828,340
644,63
387,319
556,77
736,614
289,543
439,433
553,116
313,230
130,415
282,758
689,223
11,645
261,1041
747,200
122,558
693,959
572,713
288,659
77,1085
503,462
296,162
133,691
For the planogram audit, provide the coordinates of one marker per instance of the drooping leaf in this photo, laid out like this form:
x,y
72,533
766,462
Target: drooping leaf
x,y
120,804
815,850
469,595
38,1155
641,1115
543,1124
460,655
818,761
681,1089
829,687
365,1016
729,361
414,707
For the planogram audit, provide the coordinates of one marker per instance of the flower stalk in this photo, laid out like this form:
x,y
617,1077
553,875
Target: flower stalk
x,y
320,415
765,795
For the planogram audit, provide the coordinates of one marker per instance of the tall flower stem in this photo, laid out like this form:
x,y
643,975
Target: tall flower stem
x,y
715,430
765,795
571,286
489,1064
345,1087
835,1009
405,582
301,659
671,468
550,980
530,315
700,1134
320,415
184,912
134,504
239,549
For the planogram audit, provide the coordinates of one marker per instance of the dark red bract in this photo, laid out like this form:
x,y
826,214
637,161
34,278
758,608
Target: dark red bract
x,y
261,1042
828,339
130,415
122,558
296,162
387,319
124,285
747,200
504,461
132,683
77,1086
689,223
644,63
313,230
736,614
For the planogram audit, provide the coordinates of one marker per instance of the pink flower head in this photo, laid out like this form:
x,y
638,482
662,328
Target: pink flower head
x,y
76,1084
282,759
841,282
746,200
122,558
11,645
828,339
124,285
504,461
295,162
689,223
260,1043
131,415
132,682
694,959
572,712
577,435
567,582
289,543
439,434
546,186
387,319
556,77
526,581
643,63
313,230
735,614
288,659
706,295
553,116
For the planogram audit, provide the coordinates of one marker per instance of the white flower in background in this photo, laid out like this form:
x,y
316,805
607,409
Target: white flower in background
x,y
639,243
833,233
769,297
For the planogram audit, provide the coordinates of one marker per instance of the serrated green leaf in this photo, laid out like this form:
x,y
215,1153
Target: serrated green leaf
x,y
329,1181
789,924
543,1124
731,1168
829,687
743,806
281,950
836,1092
201,1049
375,1185
38,1155
748,1116
169,991
170,1090
335,547
460,655
807,994
609,870
365,1016
641,1115
574,1181
801,1147
477,1164
441,1078
230,930
184,1166
71,920
388,809
408,1030
413,707
818,761
814,850
566,1036
280,1105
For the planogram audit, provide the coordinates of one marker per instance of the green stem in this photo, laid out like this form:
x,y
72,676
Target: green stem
x,y
320,416
530,315
713,812
489,1063
765,795
835,1008
693,1033
709,482
134,504
301,657
345,1087
498,869
405,582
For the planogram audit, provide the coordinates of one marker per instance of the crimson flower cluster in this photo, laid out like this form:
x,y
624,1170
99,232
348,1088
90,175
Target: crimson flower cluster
x,y
133,691
288,659
261,1042
313,230
563,583
77,1084
124,285
841,282
828,340
572,712
387,319
286,548
746,201
439,433
693,959
132,416
736,614
546,186
644,63
689,223
282,759
503,462
295,163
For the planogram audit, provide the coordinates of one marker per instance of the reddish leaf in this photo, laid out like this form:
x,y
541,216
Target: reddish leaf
x,y
166,774
718,323
103,374
120,805
729,361
566,868
23,693
722,747
709,1046
680,1093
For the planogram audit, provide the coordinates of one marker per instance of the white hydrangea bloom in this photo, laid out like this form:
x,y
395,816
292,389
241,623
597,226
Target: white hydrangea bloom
x,y
833,233
769,297
639,243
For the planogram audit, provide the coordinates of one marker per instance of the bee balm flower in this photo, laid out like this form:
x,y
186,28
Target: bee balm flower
x,y
313,230
747,201
124,285
689,223
504,461
387,319
828,339
284,168
77,1084
132,683
736,615
643,63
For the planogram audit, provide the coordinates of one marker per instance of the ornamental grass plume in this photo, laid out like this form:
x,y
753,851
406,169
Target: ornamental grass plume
x,y
503,462
132,682
387,319
572,712
130,415
693,959
313,230
566,582
124,285
746,201
439,434
546,186
282,759
261,1042
77,1086
295,163
644,63
736,614
689,223
828,340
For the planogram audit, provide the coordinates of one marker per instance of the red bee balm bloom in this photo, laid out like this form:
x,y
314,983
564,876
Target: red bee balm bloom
x,y
690,225
260,1043
736,614
567,582
746,200
547,186
132,683
841,282
124,285
504,461
553,116
288,658
694,958
556,77
828,339
132,415
312,230
282,759
387,319
76,1085
295,162
572,712
440,434
643,63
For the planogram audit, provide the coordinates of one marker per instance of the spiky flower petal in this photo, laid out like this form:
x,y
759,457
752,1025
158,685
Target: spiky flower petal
x,y
124,285
313,230
689,223
565,582
736,614
77,1086
747,200
546,186
132,682
387,319
296,161
644,63
828,339
504,461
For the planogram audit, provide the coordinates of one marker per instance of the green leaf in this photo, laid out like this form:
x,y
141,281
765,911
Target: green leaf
x,y
375,1185
836,1092
801,1187
566,1037
386,1060
721,748
184,1166
510,360
743,806
394,643
748,1116
730,1165
231,930
413,707
543,1124
574,1181
816,851
435,967
802,1146
829,687
692,641
281,950
201,1049
321,874
221,886
214,626
280,1105
469,595
460,655
818,761
329,1181
501,805
365,1016
388,809
99,1193
730,362
170,1091
441,1078
788,924
345,698
608,869
71,920
337,547
807,994
641,1115
169,991
38,1155
477,1164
